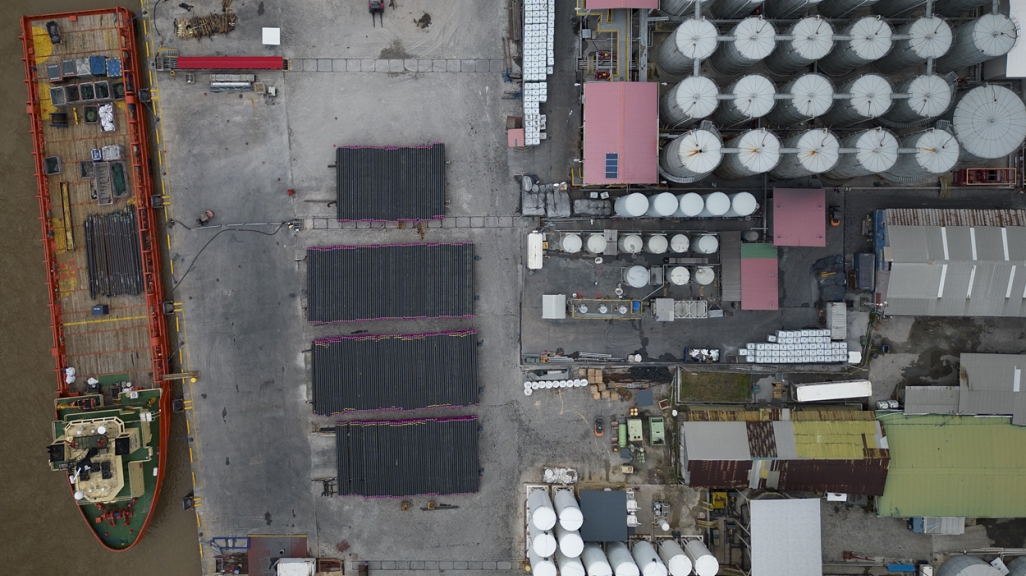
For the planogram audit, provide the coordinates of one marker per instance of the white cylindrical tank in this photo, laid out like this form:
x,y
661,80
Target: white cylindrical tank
x,y
567,508
647,560
571,243
656,244
677,562
870,41
892,8
937,152
758,152
870,97
631,206
570,542
691,100
818,151
957,7
543,517
543,543
929,97
704,562
966,566
636,276
596,245
662,205
705,244
692,155
704,275
595,561
1017,567
753,98
621,560
716,205
694,39
742,204
927,37
989,36
812,95
876,152
783,9
679,243
679,276
753,41
733,8
811,39
569,566
990,122
842,8
630,244
677,7
690,205
541,566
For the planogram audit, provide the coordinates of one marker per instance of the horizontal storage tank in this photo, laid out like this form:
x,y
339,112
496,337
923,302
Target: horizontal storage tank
x,y
621,560
543,543
567,508
753,98
679,276
594,560
758,152
733,8
656,244
679,243
811,39
705,244
753,41
694,39
966,566
742,204
677,562
990,122
957,7
870,97
631,206
677,7
647,559
569,566
870,41
783,9
929,96
571,243
842,8
716,205
692,155
892,8
636,276
691,100
818,152
662,205
570,543
876,152
704,562
927,37
543,517
541,566
812,95
975,42
597,244
937,152
691,205
704,275
630,244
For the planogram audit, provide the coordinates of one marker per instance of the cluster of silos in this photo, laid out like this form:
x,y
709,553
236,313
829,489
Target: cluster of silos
x,y
592,244
689,101
692,155
638,276
758,152
936,152
694,39
869,40
553,544
812,152
989,122
662,205
807,96
874,151
747,98
866,97
663,558
752,40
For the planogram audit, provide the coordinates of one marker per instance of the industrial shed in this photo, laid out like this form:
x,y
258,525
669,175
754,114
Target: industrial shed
x,y
605,515
394,371
786,537
621,130
760,278
408,457
390,182
988,385
347,283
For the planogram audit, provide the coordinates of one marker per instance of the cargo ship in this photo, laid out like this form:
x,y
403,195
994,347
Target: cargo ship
x,y
99,230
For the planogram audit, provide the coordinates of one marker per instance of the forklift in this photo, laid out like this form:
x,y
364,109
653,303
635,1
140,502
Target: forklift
x,y
377,7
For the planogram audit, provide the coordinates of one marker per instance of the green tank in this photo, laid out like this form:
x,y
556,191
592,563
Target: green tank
x,y
622,430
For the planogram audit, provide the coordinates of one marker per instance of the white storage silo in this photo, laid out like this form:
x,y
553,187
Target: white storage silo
x,y
679,276
691,205
621,560
758,152
679,243
631,206
1017,567
926,37
811,39
595,561
732,8
929,96
656,244
704,275
957,7
570,543
596,245
662,205
543,517
990,122
753,41
966,566
742,204
716,205
691,100
677,562
784,9
704,562
817,152
692,155
543,543
569,566
876,151
870,41
571,243
892,8
842,8
869,97
677,7
541,566
630,244
647,560
937,152
567,508
705,244
753,98
694,39
636,276
989,36
811,95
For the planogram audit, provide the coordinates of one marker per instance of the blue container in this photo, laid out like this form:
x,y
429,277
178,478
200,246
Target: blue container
x,y
96,154
114,67
98,65
101,310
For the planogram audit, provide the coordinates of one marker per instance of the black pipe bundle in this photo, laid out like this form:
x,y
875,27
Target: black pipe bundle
x,y
391,183
112,254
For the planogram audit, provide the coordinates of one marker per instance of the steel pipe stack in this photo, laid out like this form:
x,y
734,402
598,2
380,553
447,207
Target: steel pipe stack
x,y
784,9
870,97
937,152
975,42
929,96
876,152
113,257
870,41
691,100
694,39
754,40
759,152
811,96
811,39
842,8
753,98
818,152
733,8
673,556
692,155
927,37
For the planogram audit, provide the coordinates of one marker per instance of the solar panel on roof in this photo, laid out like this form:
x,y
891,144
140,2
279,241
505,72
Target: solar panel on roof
x,y
612,165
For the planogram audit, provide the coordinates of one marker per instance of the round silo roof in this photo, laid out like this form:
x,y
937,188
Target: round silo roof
x,y
813,37
930,37
818,150
813,95
1017,567
695,38
937,151
929,95
870,37
755,38
877,150
700,151
990,121
967,566
994,34
759,150
870,95
754,95
696,96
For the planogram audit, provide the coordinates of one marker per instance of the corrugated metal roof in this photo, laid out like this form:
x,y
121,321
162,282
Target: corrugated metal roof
x,y
605,515
931,399
758,250
783,435
835,440
390,183
621,118
864,476
993,384
718,473
953,217
761,441
605,4
786,537
799,217
760,284
715,440
954,466
730,266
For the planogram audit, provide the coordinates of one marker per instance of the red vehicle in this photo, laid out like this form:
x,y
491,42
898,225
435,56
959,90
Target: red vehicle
x,y
599,429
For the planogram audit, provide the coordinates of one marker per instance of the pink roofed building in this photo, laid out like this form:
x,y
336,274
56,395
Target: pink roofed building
x,y
621,132
799,217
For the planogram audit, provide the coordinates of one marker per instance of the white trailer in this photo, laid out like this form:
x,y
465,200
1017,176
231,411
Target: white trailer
x,y
824,391
837,320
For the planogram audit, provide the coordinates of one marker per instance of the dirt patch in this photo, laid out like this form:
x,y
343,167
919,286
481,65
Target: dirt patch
x,y
715,386
1006,533
395,52
423,22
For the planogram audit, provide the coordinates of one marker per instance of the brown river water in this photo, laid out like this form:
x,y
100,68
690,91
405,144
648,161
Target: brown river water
x,y
41,531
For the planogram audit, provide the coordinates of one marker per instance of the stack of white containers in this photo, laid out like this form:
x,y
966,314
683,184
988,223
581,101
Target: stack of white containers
x,y
544,533
796,347
539,25
530,387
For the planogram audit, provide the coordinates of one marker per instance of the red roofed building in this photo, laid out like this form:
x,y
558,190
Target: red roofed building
x,y
621,132
799,217
604,4
759,277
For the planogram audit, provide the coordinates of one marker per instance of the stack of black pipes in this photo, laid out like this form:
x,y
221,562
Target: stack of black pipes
x,y
112,252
